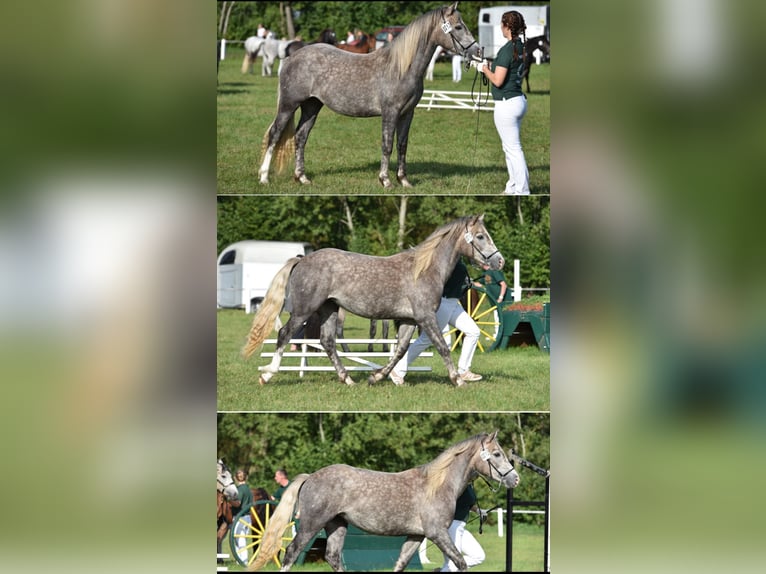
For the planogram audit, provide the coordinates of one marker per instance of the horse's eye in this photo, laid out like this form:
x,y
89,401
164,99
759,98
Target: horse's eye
x,y
480,236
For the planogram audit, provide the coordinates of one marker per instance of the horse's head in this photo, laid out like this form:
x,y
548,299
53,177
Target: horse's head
x,y
455,34
481,248
327,36
493,463
225,482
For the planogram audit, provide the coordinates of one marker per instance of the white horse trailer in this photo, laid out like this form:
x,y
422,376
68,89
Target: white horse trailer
x,y
246,268
537,19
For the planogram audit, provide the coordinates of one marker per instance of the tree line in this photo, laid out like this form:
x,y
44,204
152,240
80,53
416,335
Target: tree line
x,y
239,20
384,225
260,443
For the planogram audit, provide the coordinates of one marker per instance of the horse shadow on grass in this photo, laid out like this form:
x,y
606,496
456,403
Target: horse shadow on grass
x,y
425,172
417,172
229,88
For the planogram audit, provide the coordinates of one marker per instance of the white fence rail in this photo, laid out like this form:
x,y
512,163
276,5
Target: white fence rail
x,y
448,100
359,357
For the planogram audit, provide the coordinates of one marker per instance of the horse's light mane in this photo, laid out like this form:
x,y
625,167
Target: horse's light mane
x,y
424,252
410,41
436,471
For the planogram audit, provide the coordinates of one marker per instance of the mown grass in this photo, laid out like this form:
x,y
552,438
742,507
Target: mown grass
x,y
527,552
515,379
450,151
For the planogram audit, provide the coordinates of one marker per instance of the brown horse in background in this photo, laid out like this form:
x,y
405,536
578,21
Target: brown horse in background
x,y
226,512
224,518
362,45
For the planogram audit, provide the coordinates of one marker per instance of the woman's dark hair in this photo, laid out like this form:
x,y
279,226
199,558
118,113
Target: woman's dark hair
x,y
514,21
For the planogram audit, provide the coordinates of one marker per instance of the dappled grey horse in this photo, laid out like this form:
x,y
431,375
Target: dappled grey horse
x,y
387,83
405,287
418,503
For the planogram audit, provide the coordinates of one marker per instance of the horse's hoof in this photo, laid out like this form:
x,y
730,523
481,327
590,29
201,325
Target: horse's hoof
x,y
385,182
405,182
460,382
261,380
302,179
349,381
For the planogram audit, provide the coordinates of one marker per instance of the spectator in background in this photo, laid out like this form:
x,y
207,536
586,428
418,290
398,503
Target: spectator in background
x,y
280,477
261,33
494,282
243,515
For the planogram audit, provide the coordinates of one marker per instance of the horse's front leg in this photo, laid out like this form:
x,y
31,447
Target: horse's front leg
x,y
402,137
448,548
403,342
327,332
431,327
386,147
409,548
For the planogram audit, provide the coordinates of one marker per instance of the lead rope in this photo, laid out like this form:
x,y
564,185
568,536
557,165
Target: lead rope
x,y
478,101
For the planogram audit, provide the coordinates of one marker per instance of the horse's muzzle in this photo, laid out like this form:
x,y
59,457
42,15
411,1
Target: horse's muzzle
x,y
511,480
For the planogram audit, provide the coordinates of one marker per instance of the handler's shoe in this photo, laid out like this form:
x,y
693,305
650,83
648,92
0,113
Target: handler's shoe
x,y
396,378
470,377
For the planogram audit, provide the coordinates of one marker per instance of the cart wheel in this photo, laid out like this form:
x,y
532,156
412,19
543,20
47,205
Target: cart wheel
x,y
483,310
251,532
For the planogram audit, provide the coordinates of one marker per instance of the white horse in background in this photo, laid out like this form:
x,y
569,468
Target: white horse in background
x,y
269,48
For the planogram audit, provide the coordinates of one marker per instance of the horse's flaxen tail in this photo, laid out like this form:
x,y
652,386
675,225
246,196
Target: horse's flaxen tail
x,y
284,149
271,542
247,63
263,322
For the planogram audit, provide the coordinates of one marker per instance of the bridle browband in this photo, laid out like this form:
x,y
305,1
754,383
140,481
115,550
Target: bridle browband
x,y
447,29
468,236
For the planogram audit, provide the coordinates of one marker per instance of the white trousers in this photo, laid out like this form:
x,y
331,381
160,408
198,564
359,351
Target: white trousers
x,y
508,116
450,312
466,544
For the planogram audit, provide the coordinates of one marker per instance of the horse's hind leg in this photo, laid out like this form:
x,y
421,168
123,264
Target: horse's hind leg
x,y
285,333
301,540
336,534
339,329
409,548
309,111
328,316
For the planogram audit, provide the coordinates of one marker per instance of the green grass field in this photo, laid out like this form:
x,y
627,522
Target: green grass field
x,y
515,379
450,151
528,552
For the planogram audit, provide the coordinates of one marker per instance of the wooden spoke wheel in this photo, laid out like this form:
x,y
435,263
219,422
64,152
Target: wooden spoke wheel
x,y
483,310
245,536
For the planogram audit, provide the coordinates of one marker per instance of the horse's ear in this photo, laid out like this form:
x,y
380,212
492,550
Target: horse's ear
x,y
493,436
451,8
